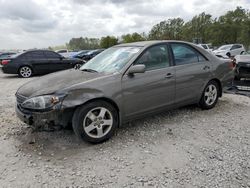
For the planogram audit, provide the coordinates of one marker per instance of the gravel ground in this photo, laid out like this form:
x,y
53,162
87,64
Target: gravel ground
x,y
187,147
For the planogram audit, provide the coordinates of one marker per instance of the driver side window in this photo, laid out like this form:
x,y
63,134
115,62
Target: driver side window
x,y
155,57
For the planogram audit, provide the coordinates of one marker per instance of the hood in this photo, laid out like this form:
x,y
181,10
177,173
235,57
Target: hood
x,y
57,81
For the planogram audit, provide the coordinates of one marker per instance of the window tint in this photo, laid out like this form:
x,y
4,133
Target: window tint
x,y
37,55
235,47
52,55
155,58
185,54
204,46
27,55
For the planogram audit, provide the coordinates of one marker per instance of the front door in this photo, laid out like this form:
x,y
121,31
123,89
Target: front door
x,y
153,89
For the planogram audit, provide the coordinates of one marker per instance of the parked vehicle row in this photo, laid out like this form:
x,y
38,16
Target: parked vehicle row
x,y
123,83
34,62
229,50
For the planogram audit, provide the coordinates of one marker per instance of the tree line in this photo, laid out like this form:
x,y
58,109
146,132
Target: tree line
x,y
232,27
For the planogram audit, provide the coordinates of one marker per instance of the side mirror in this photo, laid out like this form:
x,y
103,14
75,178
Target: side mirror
x,y
137,69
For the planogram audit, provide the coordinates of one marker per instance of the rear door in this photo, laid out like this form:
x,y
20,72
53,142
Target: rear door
x,y
38,61
192,72
236,50
144,92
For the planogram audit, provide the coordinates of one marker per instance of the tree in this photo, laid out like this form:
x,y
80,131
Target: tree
x,y
108,41
84,43
165,30
135,37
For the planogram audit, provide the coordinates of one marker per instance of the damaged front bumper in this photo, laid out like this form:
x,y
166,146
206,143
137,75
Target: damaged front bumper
x,y
38,120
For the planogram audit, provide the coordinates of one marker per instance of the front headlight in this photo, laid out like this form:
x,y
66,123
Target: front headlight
x,y
41,102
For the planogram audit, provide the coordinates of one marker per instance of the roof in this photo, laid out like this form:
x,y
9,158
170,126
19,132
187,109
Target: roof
x,y
149,43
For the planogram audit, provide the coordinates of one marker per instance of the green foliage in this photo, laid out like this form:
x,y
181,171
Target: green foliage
x,y
108,41
233,27
135,37
83,43
165,30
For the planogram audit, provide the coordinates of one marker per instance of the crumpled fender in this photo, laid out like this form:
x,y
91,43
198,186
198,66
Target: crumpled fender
x,y
80,96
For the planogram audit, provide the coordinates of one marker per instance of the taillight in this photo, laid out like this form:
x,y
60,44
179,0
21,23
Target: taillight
x,y
232,64
5,62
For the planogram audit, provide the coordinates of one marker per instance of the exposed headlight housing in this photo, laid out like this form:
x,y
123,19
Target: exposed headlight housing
x,y
41,102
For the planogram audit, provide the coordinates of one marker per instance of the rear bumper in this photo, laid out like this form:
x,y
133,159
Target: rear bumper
x,y
8,70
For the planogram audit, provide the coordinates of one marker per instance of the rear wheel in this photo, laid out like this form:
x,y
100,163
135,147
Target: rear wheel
x,y
25,72
210,95
228,54
95,122
77,66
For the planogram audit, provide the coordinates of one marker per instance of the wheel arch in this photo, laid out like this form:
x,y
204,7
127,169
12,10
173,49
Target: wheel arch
x,y
108,100
26,65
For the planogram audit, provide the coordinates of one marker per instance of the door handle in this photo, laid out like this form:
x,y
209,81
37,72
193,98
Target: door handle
x,y
169,75
206,67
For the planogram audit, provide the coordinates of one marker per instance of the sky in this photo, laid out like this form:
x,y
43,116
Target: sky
x,y
28,24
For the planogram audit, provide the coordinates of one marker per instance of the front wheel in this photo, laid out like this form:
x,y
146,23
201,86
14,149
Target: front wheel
x,y
25,72
95,122
210,95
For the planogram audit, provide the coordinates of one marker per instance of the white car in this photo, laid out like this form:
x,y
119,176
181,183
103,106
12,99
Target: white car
x,y
207,47
229,50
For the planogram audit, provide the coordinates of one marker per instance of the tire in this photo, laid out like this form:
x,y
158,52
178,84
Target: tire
x,y
228,54
237,78
25,72
210,95
77,66
241,52
89,121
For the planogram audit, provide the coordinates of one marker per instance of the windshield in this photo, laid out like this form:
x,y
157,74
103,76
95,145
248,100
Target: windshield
x,y
225,47
112,59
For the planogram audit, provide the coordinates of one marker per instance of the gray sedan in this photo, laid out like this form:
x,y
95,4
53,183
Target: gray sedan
x,y
123,83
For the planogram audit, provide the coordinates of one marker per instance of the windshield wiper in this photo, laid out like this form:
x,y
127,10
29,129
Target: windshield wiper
x,y
89,70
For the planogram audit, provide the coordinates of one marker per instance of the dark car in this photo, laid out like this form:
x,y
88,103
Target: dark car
x,y
6,55
80,54
34,62
123,83
242,66
88,56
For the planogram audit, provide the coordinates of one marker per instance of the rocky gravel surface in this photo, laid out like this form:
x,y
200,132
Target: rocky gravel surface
x,y
187,147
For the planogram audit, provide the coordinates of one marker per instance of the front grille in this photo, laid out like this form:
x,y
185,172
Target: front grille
x,y
20,99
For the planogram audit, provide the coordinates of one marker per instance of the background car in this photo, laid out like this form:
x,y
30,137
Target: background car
x,y
91,54
80,54
207,47
66,53
123,83
6,55
229,50
242,66
33,62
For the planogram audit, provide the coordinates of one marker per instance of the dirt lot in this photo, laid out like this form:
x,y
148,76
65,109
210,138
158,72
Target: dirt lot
x,y
187,147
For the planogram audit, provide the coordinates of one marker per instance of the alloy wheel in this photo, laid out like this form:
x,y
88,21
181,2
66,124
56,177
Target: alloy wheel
x,y
77,66
98,122
210,94
25,72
